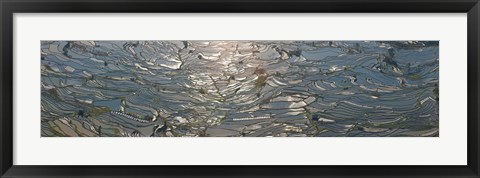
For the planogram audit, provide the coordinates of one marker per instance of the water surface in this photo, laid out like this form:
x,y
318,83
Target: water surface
x,y
240,88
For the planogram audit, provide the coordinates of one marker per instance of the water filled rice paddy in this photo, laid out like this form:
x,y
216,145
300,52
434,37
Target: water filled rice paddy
x,y
240,88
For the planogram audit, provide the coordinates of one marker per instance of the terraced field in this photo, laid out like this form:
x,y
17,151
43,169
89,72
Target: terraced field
x,y
240,88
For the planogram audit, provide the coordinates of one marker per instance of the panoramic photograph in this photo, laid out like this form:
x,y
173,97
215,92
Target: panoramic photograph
x,y
245,88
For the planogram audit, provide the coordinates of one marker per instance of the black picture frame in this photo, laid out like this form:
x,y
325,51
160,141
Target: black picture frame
x,y
9,7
